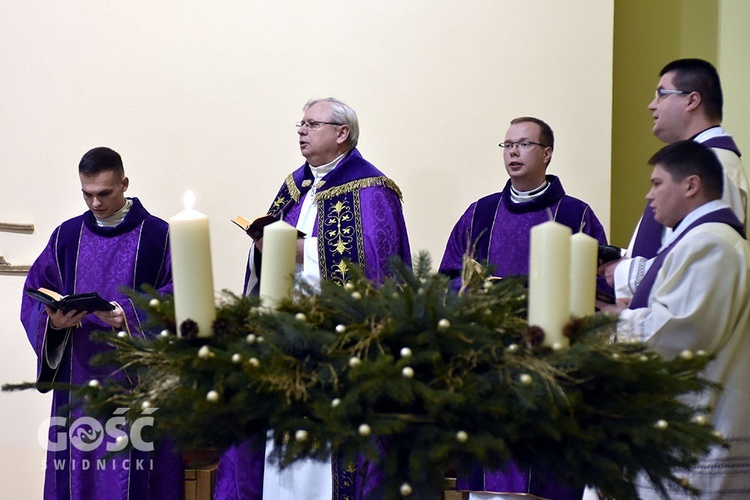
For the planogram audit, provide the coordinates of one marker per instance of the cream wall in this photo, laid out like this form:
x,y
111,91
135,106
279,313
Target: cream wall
x,y
204,95
734,65
647,35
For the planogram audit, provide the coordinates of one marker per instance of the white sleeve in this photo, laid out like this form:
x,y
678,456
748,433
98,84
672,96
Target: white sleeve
x,y
252,273
310,267
628,275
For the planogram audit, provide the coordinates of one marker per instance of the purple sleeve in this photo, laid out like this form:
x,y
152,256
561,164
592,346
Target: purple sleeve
x,y
43,273
457,247
593,227
384,231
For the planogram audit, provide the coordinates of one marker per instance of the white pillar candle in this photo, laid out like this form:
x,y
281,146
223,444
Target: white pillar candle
x,y
278,264
583,260
191,268
549,280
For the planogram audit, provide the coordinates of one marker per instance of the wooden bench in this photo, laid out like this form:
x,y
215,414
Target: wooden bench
x,y
200,474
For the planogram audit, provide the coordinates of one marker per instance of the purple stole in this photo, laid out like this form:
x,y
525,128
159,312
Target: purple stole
x,y
339,230
648,239
723,142
723,216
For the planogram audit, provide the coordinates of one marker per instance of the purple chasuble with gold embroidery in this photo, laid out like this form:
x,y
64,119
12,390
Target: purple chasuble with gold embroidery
x,y
83,257
359,220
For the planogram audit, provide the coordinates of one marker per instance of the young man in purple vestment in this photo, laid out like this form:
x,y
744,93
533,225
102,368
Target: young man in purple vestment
x,y
688,105
693,299
115,245
496,230
349,212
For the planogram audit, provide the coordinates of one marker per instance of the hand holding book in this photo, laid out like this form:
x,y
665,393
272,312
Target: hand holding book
x,y
608,253
254,229
78,302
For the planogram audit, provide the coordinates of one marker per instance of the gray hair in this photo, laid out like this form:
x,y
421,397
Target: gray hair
x,y
342,113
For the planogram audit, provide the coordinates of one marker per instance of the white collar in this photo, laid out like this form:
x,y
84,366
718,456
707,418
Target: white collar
x,y
116,217
707,208
323,170
517,196
710,133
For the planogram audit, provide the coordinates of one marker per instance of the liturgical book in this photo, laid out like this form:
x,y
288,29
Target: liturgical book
x,y
80,302
254,229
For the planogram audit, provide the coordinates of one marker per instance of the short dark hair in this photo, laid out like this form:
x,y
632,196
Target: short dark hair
x,y
99,159
684,158
546,136
697,75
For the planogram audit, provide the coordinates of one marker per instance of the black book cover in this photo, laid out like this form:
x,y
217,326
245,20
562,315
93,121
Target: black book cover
x,y
255,229
90,301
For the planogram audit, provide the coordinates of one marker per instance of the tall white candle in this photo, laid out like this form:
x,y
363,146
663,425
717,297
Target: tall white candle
x,y
583,259
549,280
191,268
278,264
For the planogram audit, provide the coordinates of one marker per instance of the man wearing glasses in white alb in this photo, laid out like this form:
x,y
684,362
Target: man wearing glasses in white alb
x,y
687,105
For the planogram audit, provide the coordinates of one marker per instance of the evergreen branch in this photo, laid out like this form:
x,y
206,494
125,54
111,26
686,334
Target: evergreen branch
x,y
443,378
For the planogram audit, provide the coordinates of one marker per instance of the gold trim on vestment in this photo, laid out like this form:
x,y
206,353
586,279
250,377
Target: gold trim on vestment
x,y
356,186
292,187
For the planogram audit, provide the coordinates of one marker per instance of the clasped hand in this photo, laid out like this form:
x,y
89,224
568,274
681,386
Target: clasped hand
x,y
59,320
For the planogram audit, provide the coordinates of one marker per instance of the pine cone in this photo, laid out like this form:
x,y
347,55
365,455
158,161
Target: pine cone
x,y
533,336
222,328
189,329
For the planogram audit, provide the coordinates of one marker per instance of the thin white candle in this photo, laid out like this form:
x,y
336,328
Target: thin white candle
x,y
583,259
191,268
278,264
549,280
